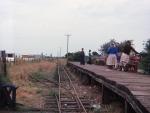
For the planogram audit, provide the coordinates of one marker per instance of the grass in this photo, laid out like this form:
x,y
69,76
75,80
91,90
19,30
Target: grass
x,y
4,79
56,77
38,75
29,93
53,93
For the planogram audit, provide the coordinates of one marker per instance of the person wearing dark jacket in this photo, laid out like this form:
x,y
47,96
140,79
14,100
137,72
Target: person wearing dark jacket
x,y
82,57
90,59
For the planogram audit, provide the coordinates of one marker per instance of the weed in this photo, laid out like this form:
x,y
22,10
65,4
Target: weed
x,y
39,91
38,75
4,79
55,77
53,93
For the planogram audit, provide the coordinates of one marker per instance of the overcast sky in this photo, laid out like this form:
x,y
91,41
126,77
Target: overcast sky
x,y
35,26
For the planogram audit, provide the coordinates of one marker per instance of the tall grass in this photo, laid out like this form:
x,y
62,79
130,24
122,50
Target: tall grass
x,y
4,79
28,93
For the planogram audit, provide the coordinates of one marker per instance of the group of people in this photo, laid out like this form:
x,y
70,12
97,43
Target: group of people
x,y
114,58
82,57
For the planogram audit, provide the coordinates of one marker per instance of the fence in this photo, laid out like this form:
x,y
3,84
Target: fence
x,y
10,59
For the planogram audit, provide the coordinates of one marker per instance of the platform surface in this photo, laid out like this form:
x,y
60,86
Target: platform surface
x,y
134,84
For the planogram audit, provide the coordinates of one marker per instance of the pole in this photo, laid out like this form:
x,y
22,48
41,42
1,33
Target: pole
x,y
3,54
67,45
60,52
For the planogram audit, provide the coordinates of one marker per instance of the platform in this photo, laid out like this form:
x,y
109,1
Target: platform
x,y
134,88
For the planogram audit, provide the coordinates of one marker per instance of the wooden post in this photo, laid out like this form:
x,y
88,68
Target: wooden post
x,y
93,82
106,95
3,53
14,97
128,108
86,79
14,58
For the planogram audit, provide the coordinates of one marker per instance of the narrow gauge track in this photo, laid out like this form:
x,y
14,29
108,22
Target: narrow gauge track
x,y
70,102
67,99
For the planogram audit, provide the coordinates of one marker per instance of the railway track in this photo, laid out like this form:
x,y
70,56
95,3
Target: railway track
x,y
70,102
65,98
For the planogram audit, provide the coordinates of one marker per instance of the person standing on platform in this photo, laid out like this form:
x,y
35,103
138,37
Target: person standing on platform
x,y
90,57
111,61
82,57
118,54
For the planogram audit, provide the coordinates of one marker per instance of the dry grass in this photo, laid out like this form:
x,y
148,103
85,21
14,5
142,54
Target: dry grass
x,y
27,93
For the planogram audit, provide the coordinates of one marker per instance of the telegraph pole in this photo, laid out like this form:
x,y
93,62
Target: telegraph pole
x,y
68,35
60,52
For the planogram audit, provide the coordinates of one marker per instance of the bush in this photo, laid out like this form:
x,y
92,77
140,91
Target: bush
x,y
73,56
145,63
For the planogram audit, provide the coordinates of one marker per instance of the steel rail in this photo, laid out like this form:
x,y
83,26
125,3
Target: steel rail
x,y
76,99
61,86
67,73
58,104
59,89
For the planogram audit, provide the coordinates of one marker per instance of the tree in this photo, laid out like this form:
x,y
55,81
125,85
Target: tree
x,y
70,56
146,58
76,56
73,56
105,46
122,44
94,53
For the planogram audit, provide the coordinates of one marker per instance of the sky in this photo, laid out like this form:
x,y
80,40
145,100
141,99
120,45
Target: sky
x,y
36,26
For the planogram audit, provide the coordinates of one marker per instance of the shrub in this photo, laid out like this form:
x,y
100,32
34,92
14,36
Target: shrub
x,y
145,63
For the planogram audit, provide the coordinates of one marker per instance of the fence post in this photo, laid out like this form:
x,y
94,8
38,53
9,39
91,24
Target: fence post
x,y
3,53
